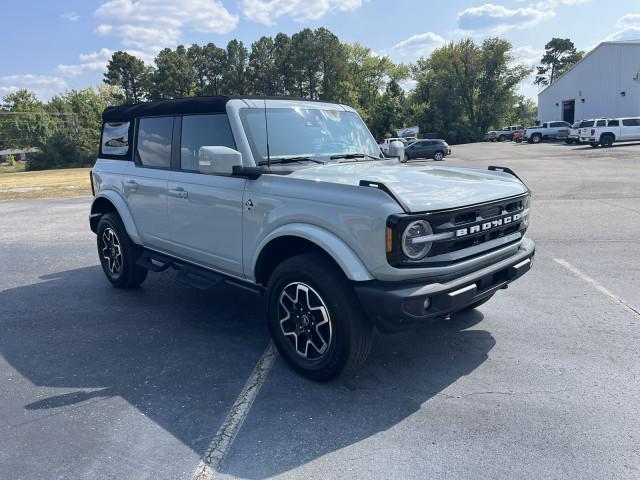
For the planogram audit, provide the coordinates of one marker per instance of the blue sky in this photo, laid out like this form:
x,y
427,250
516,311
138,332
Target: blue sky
x,y
50,46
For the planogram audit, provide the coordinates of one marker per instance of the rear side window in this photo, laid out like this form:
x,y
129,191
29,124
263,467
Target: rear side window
x,y
614,123
115,139
631,122
203,131
153,146
587,124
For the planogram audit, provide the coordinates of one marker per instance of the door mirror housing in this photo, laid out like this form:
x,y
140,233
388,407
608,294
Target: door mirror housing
x,y
218,160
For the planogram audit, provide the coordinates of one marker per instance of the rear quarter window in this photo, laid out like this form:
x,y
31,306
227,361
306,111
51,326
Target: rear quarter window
x,y
115,139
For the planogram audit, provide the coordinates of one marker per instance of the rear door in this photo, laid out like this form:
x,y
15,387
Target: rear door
x,y
630,129
205,211
145,182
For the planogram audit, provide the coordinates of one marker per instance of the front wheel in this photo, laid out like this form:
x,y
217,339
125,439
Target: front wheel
x,y
438,156
315,318
536,139
117,253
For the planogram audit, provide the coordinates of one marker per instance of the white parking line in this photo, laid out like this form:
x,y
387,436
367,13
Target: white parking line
x,y
208,467
596,285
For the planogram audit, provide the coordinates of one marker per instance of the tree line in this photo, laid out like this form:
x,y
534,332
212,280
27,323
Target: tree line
x,y
459,92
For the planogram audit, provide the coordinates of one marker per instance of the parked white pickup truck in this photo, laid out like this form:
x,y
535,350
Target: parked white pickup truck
x,y
607,131
384,146
547,131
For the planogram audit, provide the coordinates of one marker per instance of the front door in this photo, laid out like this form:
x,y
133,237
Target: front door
x,y
205,210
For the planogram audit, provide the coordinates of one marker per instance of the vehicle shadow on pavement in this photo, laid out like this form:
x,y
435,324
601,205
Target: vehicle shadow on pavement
x,y
295,421
179,355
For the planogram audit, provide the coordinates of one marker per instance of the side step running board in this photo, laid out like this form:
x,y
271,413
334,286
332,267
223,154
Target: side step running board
x,y
154,262
197,277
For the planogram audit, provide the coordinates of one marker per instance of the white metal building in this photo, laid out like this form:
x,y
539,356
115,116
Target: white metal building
x,y
605,83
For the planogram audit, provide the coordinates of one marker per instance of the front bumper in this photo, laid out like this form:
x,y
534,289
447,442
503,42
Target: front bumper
x,y
398,306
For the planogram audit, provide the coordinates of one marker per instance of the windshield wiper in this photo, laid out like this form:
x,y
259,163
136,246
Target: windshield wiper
x,y
289,160
354,156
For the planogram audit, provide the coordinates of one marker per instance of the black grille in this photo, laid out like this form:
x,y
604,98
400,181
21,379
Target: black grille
x,y
474,216
468,231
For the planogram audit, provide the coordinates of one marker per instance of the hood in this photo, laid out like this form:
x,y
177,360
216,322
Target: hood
x,y
421,187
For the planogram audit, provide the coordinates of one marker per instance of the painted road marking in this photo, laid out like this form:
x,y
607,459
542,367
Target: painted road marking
x,y
209,466
597,286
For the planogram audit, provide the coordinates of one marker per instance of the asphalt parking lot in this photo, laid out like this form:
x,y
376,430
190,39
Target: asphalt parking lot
x,y
541,382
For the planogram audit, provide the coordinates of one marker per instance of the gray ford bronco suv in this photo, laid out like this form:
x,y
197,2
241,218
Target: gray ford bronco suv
x,y
293,199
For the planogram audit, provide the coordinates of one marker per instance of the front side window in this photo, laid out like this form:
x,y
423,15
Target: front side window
x,y
306,132
203,131
115,138
153,145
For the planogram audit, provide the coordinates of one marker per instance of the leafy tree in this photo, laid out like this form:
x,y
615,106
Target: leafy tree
x,y
130,74
559,56
283,66
236,76
262,67
523,112
332,64
24,121
174,75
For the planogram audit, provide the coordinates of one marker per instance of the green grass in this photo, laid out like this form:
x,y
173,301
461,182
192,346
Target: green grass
x,y
63,183
18,167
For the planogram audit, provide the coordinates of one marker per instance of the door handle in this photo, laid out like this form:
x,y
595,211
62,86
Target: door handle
x,y
178,192
132,185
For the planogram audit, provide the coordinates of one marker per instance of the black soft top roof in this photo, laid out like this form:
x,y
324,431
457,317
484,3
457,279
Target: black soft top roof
x,y
183,106
180,106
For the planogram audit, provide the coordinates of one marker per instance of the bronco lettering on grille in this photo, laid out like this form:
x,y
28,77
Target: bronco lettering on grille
x,y
483,227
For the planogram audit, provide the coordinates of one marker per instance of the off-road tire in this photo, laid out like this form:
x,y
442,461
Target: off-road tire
x,y
128,274
351,333
606,140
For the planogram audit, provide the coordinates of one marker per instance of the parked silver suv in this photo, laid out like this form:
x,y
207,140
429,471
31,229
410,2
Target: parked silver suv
x,y
293,199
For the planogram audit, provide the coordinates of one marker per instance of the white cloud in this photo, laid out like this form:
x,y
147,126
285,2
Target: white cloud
x,y
150,25
628,29
70,16
44,86
498,19
90,62
419,45
527,55
268,11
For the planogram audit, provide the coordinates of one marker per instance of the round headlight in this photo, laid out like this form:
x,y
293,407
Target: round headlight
x,y
414,245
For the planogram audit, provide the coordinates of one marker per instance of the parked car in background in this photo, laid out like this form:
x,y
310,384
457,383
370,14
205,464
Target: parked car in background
x,y
607,131
517,135
384,146
435,148
574,132
505,133
547,131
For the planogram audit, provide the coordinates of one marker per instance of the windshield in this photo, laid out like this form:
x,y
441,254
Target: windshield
x,y
306,132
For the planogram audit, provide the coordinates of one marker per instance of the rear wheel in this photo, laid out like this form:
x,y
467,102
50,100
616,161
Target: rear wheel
x,y
606,140
315,318
118,254
438,156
